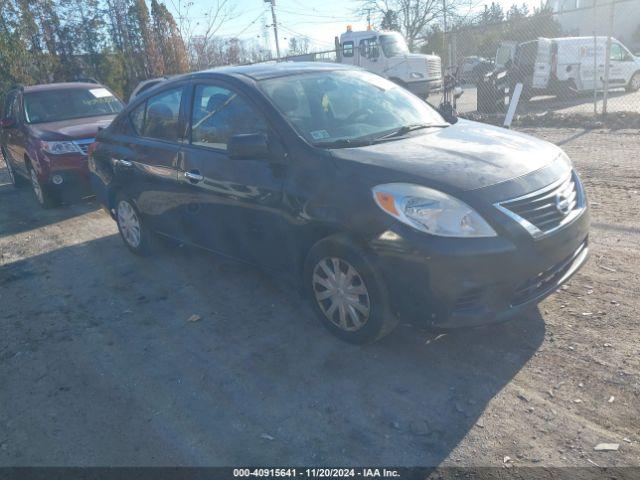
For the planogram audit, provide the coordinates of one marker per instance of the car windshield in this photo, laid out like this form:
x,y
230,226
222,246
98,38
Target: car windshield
x,y
57,105
347,106
393,45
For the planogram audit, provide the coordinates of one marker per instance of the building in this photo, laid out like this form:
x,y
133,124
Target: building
x,y
586,17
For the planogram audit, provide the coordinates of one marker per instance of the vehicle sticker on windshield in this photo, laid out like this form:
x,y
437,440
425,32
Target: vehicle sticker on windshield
x,y
319,134
100,92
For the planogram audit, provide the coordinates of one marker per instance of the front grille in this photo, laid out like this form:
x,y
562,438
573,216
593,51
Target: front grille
x,y
83,144
546,210
434,69
547,280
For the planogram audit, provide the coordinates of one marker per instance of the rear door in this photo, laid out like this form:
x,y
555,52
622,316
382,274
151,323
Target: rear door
x,y
146,164
542,64
234,206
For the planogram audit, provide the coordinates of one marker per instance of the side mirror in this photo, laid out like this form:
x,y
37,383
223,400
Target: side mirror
x,y
7,123
248,146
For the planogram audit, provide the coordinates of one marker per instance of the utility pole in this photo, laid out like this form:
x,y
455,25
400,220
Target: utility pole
x,y
444,27
275,25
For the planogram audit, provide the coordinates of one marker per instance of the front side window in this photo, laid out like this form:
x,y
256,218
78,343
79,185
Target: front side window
x,y
67,104
617,53
369,48
219,114
325,107
162,116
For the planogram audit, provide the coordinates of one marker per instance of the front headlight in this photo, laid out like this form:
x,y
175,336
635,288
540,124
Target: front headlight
x,y
416,75
431,211
58,148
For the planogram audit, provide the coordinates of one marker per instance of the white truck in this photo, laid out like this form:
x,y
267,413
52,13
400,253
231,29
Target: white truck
x,y
562,66
387,54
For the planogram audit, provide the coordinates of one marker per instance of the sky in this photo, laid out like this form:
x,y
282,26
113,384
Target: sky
x,y
318,20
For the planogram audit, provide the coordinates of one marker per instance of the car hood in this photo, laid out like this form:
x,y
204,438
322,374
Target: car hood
x,y
71,129
464,156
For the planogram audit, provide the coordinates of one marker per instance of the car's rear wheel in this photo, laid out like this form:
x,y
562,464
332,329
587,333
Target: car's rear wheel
x,y
133,231
347,294
634,83
42,193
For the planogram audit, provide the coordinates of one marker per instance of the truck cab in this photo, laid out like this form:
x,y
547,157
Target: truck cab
x,y
387,54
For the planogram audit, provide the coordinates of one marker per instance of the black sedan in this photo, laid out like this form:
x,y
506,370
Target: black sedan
x,y
351,187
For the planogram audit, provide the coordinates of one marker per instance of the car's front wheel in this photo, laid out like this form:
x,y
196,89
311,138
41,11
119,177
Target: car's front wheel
x,y
135,234
43,195
14,178
346,293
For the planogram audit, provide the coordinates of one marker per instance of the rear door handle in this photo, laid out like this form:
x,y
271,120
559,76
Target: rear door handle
x,y
118,162
194,176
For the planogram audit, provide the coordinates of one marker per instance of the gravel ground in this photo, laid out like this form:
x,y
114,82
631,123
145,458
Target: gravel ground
x,y
99,365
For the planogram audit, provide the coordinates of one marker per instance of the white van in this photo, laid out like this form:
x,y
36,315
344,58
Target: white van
x,y
562,66
387,54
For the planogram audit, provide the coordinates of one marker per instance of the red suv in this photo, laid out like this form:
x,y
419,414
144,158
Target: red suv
x,y
47,130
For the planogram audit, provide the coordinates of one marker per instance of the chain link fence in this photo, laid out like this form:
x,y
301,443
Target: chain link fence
x,y
576,59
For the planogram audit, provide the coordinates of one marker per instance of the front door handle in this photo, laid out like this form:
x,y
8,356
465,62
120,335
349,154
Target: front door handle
x,y
193,176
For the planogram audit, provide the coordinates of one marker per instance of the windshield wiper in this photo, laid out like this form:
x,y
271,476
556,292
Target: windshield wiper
x,y
343,143
403,130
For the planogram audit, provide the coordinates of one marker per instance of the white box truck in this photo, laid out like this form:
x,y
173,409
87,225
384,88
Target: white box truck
x,y
387,54
562,66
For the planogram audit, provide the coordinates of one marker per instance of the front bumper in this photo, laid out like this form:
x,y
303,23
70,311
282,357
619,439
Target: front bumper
x,y
452,282
423,88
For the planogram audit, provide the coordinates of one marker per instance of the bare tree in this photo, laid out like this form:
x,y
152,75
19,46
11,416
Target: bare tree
x,y
414,17
198,31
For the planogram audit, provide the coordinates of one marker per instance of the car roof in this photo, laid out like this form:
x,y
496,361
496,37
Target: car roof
x,y
262,71
61,86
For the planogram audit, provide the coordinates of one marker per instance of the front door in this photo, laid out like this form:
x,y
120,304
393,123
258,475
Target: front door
x,y
234,205
369,58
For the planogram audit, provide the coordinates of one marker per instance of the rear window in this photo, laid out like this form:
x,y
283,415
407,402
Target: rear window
x,y
58,105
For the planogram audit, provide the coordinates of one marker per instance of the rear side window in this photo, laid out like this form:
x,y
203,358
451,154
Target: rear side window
x,y
219,114
137,118
159,116
347,49
8,104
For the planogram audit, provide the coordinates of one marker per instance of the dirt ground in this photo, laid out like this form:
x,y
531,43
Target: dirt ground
x,y
99,365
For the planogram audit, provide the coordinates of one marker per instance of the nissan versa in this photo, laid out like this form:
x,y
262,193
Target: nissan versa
x,y
351,186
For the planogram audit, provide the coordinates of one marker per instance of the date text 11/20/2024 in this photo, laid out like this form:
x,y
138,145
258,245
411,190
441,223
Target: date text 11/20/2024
x,y
316,472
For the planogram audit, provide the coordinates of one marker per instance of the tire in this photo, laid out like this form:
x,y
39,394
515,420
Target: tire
x,y
16,180
634,83
568,90
361,316
42,193
133,231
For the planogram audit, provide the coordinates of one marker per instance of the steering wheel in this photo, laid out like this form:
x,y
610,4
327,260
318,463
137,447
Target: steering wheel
x,y
361,112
